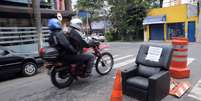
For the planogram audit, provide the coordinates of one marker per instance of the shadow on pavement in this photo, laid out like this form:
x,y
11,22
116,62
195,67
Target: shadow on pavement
x,y
8,77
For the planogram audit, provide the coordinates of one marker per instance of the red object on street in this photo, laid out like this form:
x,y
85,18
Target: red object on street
x,y
178,88
178,68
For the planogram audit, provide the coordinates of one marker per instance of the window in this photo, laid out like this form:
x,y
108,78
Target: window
x,y
175,30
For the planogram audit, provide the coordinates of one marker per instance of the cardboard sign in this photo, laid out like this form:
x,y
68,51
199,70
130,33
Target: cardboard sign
x,y
154,54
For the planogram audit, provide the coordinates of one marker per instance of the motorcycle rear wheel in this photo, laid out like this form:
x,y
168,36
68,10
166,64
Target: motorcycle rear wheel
x,y
61,78
104,65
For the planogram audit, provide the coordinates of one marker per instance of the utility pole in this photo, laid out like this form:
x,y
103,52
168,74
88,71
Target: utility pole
x,y
198,8
37,20
87,24
68,5
161,3
199,21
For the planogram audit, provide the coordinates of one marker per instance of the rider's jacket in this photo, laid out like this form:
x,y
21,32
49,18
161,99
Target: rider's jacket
x,y
71,43
77,39
58,40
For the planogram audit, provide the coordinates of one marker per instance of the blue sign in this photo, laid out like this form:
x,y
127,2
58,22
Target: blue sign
x,y
154,20
83,13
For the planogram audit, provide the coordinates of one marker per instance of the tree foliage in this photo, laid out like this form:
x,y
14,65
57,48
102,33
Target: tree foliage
x,y
127,18
126,15
93,6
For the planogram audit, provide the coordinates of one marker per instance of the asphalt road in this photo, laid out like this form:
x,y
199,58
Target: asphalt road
x,y
94,88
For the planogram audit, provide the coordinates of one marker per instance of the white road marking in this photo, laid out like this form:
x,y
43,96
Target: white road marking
x,y
121,58
190,60
114,56
195,92
121,64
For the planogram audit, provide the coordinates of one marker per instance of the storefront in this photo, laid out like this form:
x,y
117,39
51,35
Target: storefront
x,y
156,27
175,30
156,32
166,23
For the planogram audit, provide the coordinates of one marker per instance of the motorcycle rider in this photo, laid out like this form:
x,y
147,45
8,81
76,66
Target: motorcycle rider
x,y
57,38
70,44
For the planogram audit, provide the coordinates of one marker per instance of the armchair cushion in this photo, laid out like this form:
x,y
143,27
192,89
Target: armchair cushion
x,y
138,82
147,71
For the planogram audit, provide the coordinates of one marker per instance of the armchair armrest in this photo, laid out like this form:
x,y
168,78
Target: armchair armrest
x,y
159,85
126,73
129,72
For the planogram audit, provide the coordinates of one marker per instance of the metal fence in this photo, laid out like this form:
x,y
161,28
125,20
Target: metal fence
x,y
21,39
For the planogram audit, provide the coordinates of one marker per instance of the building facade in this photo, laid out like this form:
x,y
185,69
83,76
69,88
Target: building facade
x,y
168,22
17,23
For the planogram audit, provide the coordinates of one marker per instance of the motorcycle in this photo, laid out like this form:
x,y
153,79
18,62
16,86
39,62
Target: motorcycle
x,y
63,75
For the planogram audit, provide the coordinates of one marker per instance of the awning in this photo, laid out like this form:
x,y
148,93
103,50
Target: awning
x,y
154,20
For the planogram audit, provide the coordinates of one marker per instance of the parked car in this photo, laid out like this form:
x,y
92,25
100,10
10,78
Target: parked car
x,y
99,36
15,62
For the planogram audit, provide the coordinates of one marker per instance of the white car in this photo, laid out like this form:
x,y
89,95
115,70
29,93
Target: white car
x,y
99,36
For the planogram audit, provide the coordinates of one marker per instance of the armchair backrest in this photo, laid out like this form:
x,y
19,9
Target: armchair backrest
x,y
164,60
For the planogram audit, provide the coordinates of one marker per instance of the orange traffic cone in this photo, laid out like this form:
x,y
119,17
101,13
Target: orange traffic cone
x,y
117,88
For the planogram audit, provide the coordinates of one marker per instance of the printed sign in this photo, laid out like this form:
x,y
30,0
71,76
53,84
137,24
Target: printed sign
x,y
154,53
59,16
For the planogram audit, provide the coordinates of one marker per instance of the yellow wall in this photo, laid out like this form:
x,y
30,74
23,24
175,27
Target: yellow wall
x,y
148,34
173,14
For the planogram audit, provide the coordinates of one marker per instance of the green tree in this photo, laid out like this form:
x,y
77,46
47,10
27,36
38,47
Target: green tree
x,y
127,18
92,6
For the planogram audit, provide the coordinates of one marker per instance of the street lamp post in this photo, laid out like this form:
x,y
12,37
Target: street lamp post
x,y
87,24
199,21
105,22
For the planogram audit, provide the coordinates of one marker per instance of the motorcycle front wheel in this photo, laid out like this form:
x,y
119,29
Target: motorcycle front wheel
x,y
61,78
104,63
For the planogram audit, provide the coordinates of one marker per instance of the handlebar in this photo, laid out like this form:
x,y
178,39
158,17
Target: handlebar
x,y
94,42
95,39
